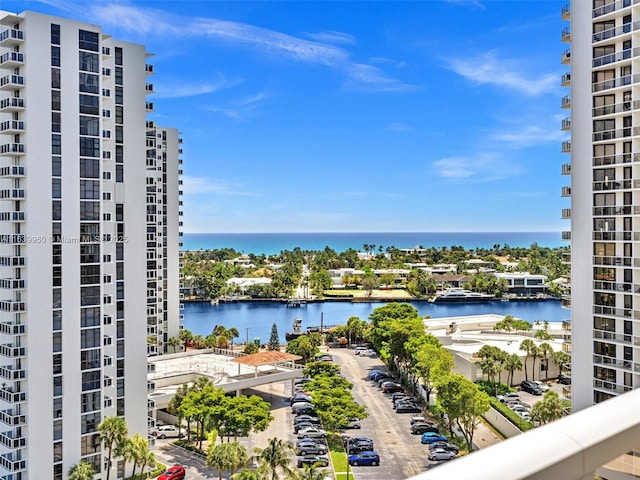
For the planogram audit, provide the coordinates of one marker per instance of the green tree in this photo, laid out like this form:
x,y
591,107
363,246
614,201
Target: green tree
x,y
175,342
463,403
316,369
139,452
227,457
546,349
251,348
244,414
82,471
527,346
113,434
369,283
311,472
430,363
512,364
232,333
247,474
275,457
302,346
274,340
548,409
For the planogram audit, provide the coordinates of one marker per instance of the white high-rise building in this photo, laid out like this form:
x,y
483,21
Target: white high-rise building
x,y
87,267
604,57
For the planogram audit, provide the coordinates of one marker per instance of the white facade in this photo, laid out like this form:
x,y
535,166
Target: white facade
x,y
604,37
73,258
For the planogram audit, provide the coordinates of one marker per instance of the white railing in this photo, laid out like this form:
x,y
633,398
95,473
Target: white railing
x,y
571,448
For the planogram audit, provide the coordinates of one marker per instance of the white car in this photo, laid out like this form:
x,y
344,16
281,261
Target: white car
x,y
311,432
543,386
169,431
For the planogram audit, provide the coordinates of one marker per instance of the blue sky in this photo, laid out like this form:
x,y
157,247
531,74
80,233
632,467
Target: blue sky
x,y
355,116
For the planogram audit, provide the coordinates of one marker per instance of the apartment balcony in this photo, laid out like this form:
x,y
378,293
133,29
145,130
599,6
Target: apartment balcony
x,y
566,124
12,306
12,171
566,169
11,104
149,106
566,192
623,107
613,83
12,464
610,387
612,336
612,7
16,149
566,80
12,127
572,448
565,35
611,211
12,352
565,13
626,365
12,440
616,159
11,82
16,261
566,213
11,37
12,329
566,147
148,88
11,60
9,418
610,33
605,186
565,58
612,286
10,374
566,102
612,236
7,395
12,194
148,69
611,58
613,261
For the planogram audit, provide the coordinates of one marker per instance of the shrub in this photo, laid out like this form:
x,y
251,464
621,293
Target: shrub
x,y
189,446
510,415
494,388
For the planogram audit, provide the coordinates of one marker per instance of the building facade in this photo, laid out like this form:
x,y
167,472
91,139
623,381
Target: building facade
x,y
603,40
76,276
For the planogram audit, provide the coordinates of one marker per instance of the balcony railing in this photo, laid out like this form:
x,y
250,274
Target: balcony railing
x,y
615,159
9,418
566,57
566,102
613,336
571,448
613,32
614,108
612,7
12,104
611,58
11,37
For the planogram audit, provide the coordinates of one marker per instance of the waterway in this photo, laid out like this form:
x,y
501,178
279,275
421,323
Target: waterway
x,y
254,319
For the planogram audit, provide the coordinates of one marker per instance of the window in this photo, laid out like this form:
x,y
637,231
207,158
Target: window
x,y
55,99
90,380
119,212
56,166
90,359
119,134
57,430
90,296
89,211
57,386
89,104
55,34
89,147
90,253
57,364
55,122
57,276
90,189
89,167
89,274
56,144
118,76
55,78
119,252
57,297
57,320
88,40
119,114
90,317
119,95
55,56
89,83
90,443
119,173
90,402
57,342
56,254
56,209
56,188
118,55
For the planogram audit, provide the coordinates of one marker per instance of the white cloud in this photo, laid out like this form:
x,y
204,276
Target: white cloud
x,y
331,36
180,89
243,108
204,185
473,3
481,168
149,21
488,69
526,136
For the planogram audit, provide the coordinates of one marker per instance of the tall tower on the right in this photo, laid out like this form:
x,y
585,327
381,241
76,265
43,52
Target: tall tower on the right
x,y
604,58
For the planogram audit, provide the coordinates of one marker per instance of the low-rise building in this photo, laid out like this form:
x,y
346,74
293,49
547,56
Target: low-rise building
x,y
524,283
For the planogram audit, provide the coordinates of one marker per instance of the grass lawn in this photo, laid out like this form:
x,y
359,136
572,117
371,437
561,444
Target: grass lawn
x,y
338,457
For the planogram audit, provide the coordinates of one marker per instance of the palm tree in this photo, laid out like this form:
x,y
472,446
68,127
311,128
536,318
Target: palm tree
x,y
276,456
126,451
512,363
548,409
527,346
139,449
227,457
147,460
246,474
311,472
231,334
113,433
81,471
546,349
175,342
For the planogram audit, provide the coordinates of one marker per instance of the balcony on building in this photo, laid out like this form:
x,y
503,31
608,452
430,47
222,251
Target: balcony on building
x,y
565,35
566,102
12,127
566,191
614,83
10,351
149,88
11,37
612,58
11,419
571,448
613,32
11,60
566,169
12,329
566,80
10,462
565,59
565,13
610,7
566,124
12,306
12,194
12,374
148,69
11,104
106,52
149,106
12,440
16,149
566,146
566,213
11,82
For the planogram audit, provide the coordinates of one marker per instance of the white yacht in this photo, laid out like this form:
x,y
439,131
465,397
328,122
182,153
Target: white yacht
x,y
455,295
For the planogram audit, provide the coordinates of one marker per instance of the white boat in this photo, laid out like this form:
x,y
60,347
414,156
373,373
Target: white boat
x,y
460,295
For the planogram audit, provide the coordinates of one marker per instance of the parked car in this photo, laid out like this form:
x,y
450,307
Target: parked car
x,y
419,419
359,349
311,432
420,428
176,472
510,397
306,418
350,443
543,386
309,447
313,460
300,398
302,381
376,371
355,424
408,407
398,395
445,445
302,408
364,458
430,437
302,425
391,387
564,379
441,454
530,387
169,431
369,353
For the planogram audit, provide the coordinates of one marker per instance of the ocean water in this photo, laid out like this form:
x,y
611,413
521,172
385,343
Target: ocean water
x,y
274,243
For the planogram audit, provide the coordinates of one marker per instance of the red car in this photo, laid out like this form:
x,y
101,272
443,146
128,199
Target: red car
x,y
173,473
